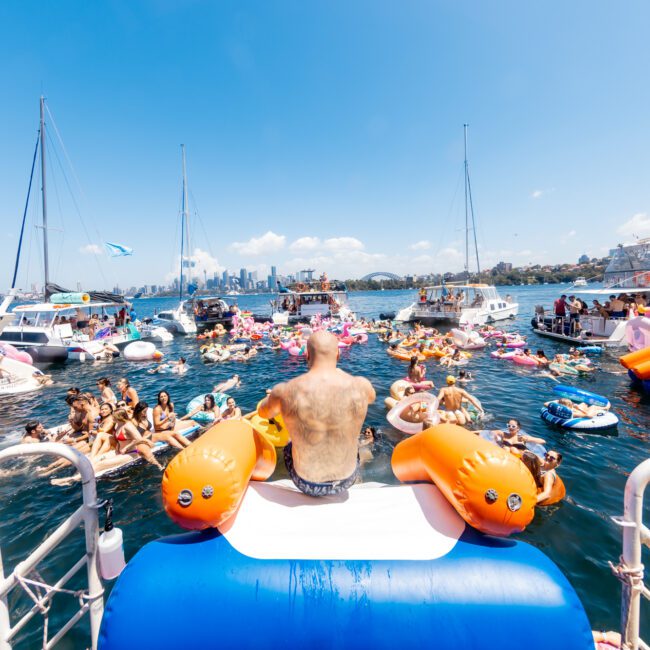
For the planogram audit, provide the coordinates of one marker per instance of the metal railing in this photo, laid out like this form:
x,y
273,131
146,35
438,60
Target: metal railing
x,y
90,600
630,569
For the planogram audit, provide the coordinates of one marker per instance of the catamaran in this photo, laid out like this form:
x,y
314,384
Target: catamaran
x,y
181,319
300,302
469,303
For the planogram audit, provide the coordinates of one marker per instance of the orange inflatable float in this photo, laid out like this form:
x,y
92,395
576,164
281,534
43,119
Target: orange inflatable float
x,y
405,355
203,485
491,489
557,493
638,362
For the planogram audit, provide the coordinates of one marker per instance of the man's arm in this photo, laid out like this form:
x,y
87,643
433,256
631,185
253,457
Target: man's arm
x,y
472,400
271,405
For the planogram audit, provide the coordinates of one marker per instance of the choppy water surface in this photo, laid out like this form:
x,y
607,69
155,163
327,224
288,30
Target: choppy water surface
x,y
578,534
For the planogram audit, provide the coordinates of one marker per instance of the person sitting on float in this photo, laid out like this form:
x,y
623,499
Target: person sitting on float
x,y
543,472
514,438
324,410
104,440
578,360
164,423
453,360
209,406
541,358
451,398
416,374
232,411
128,438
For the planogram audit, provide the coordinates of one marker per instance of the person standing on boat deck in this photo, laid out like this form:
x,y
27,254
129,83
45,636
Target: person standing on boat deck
x,y
559,308
617,306
324,410
575,306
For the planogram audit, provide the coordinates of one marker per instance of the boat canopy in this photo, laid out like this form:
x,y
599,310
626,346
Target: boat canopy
x,y
45,307
100,296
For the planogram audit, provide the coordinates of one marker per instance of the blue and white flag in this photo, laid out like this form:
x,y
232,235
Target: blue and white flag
x,y
117,250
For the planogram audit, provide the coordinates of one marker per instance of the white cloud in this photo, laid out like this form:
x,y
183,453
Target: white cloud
x,y
343,244
91,249
204,266
421,245
537,194
571,233
637,226
269,242
305,244
422,259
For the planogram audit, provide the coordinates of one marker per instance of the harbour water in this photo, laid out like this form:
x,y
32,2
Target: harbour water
x,y
577,534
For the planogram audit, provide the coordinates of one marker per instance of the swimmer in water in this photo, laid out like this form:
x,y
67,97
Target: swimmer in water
x,y
451,398
178,367
34,432
229,384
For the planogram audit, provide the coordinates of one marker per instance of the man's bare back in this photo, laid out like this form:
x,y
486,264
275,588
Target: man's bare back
x,y
324,411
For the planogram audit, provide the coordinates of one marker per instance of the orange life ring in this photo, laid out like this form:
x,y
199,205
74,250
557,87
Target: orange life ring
x,y
325,285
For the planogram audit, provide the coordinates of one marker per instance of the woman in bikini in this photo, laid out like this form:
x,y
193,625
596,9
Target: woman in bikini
x,y
104,440
208,406
164,423
106,392
129,439
129,394
232,411
416,374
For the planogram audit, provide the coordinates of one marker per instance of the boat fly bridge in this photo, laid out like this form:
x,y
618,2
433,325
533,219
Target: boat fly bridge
x,y
305,300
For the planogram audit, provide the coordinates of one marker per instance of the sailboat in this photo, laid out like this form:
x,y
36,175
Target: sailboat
x,y
468,303
57,330
181,319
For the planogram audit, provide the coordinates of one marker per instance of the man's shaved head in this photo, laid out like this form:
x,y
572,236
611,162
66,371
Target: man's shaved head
x,y
322,347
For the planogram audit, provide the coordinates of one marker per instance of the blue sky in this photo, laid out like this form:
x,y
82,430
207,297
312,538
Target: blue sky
x,y
326,133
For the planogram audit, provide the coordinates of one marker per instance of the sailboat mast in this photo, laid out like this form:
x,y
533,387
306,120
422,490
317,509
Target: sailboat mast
x,y
186,219
183,208
466,205
46,261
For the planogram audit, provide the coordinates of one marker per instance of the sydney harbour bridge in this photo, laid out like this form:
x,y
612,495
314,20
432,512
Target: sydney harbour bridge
x,y
380,274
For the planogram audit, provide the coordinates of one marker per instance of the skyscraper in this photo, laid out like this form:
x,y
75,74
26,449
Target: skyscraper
x,y
242,278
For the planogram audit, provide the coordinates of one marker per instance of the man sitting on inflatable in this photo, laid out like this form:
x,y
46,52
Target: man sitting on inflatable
x,y
324,411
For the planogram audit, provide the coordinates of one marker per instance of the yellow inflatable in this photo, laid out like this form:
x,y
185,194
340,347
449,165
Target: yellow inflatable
x,y
276,431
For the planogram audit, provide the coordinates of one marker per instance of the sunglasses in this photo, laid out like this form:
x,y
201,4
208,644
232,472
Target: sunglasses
x,y
551,457
512,426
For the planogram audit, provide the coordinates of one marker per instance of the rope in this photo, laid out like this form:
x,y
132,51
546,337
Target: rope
x,y
42,589
22,227
631,577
